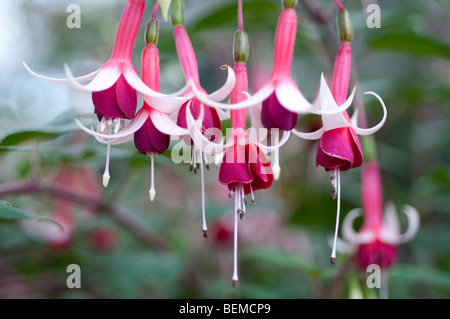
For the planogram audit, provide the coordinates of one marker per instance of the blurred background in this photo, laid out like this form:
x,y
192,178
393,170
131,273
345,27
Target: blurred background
x,y
129,247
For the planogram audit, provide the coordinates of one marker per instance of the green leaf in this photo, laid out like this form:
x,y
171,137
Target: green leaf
x,y
412,43
281,259
10,213
424,274
17,138
258,14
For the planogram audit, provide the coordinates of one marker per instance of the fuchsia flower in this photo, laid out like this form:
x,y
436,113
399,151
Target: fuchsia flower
x,y
114,86
376,242
281,99
339,148
243,162
114,82
244,167
151,129
211,124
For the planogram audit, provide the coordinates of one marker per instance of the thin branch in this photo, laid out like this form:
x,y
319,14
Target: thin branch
x,y
117,213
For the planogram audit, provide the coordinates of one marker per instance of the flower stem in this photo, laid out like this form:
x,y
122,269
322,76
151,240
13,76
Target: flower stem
x,y
336,230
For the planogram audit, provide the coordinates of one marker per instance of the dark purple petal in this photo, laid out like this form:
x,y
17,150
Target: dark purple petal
x,y
142,139
126,97
260,169
338,149
159,140
148,139
378,253
234,168
118,101
274,115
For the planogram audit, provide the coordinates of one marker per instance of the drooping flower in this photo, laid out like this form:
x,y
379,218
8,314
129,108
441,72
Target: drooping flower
x,y
114,82
339,148
211,125
244,167
376,241
281,99
193,108
114,85
151,129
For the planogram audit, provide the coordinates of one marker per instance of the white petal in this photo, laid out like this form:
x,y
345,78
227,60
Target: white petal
x,y
390,219
83,78
104,79
341,245
225,90
116,141
137,121
223,115
257,98
309,136
324,101
413,226
368,131
272,148
198,138
339,109
164,124
159,101
257,131
350,234
354,118
290,97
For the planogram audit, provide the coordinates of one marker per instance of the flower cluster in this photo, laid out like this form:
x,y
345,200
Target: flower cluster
x,y
196,116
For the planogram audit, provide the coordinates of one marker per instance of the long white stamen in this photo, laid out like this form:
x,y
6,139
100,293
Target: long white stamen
x,y
205,227
235,247
152,191
192,158
116,126
106,175
276,160
205,157
253,195
338,186
243,201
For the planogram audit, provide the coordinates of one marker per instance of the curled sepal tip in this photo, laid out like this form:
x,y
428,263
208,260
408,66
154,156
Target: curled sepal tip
x,y
391,232
350,234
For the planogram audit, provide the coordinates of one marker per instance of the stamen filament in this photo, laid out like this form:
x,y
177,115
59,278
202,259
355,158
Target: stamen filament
x,y
152,191
205,227
276,155
106,175
338,187
235,246
253,195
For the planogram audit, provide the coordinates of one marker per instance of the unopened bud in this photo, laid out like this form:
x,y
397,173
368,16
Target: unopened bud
x,y
240,46
345,26
152,32
289,4
177,12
